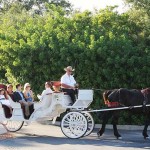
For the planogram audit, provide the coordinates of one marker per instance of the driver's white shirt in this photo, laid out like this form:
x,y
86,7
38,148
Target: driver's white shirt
x,y
68,79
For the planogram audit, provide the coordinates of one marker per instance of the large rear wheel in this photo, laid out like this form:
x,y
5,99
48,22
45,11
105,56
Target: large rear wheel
x,y
74,125
13,125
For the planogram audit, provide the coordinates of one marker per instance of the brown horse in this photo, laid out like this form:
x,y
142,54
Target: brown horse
x,y
125,97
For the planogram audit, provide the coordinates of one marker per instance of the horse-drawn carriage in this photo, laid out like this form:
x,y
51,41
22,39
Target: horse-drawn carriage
x,y
74,124
77,121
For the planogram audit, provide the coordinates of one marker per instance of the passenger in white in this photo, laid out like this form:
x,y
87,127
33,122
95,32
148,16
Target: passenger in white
x,y
4,97
5,100
46,91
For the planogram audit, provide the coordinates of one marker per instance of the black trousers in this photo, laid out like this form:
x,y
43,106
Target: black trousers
x,y
71,93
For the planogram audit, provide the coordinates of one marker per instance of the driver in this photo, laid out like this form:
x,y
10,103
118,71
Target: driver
x,y
68,83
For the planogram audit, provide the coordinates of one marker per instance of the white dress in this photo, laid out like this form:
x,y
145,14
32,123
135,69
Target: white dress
x,y
45,92
4,101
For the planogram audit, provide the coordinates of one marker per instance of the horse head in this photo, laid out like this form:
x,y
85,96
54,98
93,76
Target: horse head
x,y
105,96
110,98
146,93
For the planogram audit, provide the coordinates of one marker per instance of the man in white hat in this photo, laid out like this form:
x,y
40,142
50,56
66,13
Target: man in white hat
x,y
68,83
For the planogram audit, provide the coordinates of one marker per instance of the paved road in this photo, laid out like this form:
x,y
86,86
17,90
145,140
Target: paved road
x,y
49,137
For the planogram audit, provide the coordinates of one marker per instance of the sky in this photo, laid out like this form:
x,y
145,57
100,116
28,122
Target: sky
x,y
98,4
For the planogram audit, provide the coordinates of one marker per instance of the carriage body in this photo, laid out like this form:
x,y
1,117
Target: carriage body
x,y
50,108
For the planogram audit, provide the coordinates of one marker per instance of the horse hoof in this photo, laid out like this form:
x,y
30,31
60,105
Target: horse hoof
x,y
146,138
98,134
119,138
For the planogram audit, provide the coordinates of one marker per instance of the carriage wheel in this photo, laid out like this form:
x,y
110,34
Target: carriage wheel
x,y
90,122
12,125
74,125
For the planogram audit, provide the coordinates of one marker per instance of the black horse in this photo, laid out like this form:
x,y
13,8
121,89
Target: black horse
x,y
125,97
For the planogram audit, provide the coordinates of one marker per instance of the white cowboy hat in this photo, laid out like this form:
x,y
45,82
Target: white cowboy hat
x,y
69,68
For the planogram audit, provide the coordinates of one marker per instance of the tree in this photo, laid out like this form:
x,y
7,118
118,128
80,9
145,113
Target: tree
x,y
140,14
140,4
107,43
37,5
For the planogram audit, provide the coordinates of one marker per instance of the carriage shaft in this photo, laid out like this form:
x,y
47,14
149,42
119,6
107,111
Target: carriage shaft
x,y
119,108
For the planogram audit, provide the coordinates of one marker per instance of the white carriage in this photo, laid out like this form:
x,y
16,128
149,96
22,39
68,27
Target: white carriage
x,y
74,124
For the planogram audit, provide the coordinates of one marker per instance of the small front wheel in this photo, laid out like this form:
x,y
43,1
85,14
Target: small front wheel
x,y
13,125
74,125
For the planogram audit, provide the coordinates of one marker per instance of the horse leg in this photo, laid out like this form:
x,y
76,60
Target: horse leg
x,y
147,122
115,122
102,129
116,133
105,118
145,132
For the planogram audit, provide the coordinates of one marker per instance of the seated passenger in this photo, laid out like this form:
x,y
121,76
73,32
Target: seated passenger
x,y
5,102
28,94
46,91
3,96
10,91
19,97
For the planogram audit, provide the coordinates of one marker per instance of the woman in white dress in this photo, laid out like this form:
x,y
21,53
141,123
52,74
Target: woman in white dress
x,y
47,90
3,95
5,101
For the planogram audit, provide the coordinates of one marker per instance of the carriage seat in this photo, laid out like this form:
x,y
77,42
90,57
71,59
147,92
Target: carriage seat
x,y
85,98
14,104
56,86
4,111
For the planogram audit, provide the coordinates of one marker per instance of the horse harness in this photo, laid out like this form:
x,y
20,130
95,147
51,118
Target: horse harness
x,y
145,92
